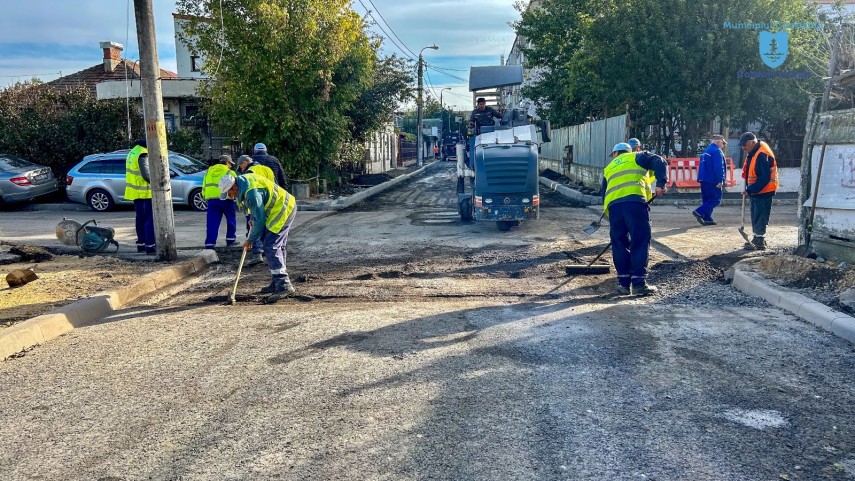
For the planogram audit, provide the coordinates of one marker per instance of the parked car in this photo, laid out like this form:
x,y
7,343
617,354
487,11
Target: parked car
x,y
22,181
99,181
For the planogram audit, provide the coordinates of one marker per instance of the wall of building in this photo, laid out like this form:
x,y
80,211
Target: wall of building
x,y
381,151
182,52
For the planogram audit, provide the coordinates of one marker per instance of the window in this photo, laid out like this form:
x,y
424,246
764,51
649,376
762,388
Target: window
x,y
195,63
92,167
113,166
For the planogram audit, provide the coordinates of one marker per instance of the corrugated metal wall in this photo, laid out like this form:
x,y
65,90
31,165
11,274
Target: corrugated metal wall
x,y
592,142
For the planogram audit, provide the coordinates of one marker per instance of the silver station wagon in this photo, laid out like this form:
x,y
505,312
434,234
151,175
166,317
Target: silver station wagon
x,y
99,181
22,181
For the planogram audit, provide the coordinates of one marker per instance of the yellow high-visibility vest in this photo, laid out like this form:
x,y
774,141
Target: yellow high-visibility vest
x,y
263,171
135,186
279,206
210,185
624,177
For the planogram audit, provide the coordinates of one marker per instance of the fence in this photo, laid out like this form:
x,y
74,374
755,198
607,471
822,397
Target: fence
x,y
407,152
582,151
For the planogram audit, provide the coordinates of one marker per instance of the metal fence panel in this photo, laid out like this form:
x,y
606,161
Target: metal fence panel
x,y
592,142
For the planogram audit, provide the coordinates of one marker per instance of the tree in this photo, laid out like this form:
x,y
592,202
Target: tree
x,y
57,128
300,75
671,63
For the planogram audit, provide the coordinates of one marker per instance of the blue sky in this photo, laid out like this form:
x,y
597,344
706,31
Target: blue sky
x,y
45,37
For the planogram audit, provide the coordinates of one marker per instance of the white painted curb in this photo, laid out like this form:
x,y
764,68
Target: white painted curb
x,y
345,202
571,193
752,283
57,322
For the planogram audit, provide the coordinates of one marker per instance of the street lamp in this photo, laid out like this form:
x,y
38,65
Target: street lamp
x,y
421,105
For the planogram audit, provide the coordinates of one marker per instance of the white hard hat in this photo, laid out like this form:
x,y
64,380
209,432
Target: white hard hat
x,y
225,184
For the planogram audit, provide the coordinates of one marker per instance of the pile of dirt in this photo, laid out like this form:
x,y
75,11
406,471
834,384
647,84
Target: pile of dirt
x,y
63,279
822,281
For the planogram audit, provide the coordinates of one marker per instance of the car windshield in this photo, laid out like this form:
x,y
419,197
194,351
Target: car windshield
x,y
186,165
10,162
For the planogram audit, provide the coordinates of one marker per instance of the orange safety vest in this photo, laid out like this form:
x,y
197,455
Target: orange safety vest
x,y
751,169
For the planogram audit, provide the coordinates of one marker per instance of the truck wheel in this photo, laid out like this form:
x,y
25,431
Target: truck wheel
x,y
504,225
465,207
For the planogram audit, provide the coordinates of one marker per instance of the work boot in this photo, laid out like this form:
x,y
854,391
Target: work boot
x,y
280,289
698,217
643,289
759,243
254,260
268,289
623,290
710,222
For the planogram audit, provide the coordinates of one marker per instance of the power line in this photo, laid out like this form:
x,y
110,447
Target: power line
x,y
31,75
445,73
403,50
390,27
451,69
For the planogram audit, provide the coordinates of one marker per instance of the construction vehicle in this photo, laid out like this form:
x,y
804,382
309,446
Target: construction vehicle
x,y
500,160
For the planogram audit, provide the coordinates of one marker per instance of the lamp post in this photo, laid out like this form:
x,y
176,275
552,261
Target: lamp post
x,y
442,106
419,141
442,123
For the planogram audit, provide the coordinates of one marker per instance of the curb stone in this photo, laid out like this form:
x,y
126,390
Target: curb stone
x,y
57,322
754,284
571,193
345,202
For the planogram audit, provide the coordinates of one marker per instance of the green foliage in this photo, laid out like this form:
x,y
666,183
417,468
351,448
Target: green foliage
x,y
669,62
57,128
301,76
187,141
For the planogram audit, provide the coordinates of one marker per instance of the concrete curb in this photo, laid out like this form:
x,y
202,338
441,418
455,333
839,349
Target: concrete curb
x,y
57,322
571,193
345,202
754,284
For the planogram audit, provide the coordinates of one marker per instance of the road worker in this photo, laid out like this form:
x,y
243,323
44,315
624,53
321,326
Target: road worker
x,y
246,164
711,172
260,156
272,210
625,201
217,209
138,190
760,172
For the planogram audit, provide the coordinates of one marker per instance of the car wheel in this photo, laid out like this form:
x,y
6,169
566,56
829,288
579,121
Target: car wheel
x,y
99,200
197,200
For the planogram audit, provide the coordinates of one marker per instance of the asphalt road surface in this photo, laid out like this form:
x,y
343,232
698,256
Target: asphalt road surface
x,y
424,348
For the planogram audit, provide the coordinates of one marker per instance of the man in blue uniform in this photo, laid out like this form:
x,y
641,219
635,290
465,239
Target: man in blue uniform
x,y
711,177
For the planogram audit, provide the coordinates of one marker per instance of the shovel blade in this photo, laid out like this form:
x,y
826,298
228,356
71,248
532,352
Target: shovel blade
x,y
743,234
591,228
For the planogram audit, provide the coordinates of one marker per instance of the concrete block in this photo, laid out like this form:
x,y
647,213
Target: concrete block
x,y
844,326
10,345
301,191
208,255
792,301
53,325
90,309
818,314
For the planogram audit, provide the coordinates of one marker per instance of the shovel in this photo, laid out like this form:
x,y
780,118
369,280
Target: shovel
x,y
231,301
594,226
805,250
742,227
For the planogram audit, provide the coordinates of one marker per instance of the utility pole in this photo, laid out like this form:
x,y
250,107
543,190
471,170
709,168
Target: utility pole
x,y
155,133
832,69
419,140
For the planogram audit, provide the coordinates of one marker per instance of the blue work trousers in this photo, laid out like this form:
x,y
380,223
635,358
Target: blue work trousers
x,y
145,226
710,199
217,209
629,224
274,250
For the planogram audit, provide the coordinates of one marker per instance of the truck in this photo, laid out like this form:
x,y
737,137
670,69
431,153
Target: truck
x,y
500,161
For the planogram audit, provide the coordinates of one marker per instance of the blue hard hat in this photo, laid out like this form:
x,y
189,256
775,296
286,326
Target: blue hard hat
x,y
623,146
633,142
259,147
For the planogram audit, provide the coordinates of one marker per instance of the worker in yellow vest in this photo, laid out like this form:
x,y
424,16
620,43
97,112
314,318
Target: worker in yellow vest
x,y
247,164
273,210
138,190
760,172
217,209
626,193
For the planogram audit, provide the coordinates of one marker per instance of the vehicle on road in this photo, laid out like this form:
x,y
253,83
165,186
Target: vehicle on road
x,y
22,181
99,181
501,160
449,146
